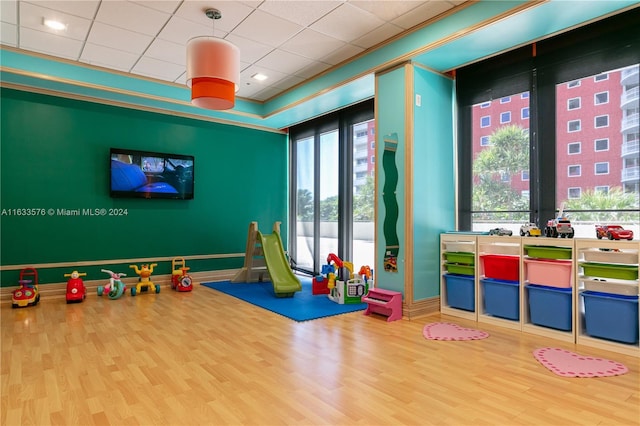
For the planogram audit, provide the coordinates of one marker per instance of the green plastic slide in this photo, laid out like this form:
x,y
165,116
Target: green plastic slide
x,y
285,283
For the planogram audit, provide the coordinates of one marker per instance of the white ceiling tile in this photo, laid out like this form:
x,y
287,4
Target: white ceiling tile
x,y
268,29
180,30
84,8
387,10
250,51
157,69
422,13
132,17
32,16
347,23
118,38
267,93
233,13
288,82
312,44
167,6
9,12
285,62
312,70
382,33
167,51
272,76
50,44
345,52
303,12
107,57
9,34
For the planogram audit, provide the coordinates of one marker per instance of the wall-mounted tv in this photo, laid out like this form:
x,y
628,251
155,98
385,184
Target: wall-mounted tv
x,y
144,174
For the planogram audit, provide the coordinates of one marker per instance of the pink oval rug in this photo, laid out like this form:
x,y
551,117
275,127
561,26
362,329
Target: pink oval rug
x,y
568,364
449,331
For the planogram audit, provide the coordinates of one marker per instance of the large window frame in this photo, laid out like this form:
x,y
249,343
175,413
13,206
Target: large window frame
x,y
537,69
341,120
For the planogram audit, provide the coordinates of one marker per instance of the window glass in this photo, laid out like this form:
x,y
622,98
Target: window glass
x,y
573,103
363,195
501,164
574,148
608,180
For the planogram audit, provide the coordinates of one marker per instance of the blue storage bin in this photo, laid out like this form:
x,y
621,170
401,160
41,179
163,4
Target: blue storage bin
x,y
550,306
611,316
461,291
501,298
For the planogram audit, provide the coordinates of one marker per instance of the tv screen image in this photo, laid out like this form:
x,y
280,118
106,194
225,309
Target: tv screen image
x,y
144,174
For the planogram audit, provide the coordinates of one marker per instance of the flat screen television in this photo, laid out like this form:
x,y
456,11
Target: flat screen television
x,y
145,174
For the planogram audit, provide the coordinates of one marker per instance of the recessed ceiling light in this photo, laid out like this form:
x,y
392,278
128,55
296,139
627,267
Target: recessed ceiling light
x,y
259,77
54,25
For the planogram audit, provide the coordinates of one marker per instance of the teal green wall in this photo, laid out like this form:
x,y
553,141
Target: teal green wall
x,y
55,155
390,118
433,177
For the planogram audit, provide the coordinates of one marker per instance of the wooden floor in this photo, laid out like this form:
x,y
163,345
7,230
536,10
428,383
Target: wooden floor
x,y
204,358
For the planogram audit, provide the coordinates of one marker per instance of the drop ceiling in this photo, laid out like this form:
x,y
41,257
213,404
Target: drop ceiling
x,y
318,55
288,41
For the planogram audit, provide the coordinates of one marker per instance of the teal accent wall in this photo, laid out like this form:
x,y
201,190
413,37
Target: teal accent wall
x,y
390,118
433,177
55,156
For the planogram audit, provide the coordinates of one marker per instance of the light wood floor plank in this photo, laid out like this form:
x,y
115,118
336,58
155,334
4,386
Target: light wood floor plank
x,y
204,358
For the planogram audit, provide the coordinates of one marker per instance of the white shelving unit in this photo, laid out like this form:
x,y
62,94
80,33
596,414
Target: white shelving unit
x,y
464,243
592,251
546,244
497,245
624,252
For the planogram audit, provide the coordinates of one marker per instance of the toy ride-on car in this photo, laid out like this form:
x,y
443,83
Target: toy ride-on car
x,y
27,294
144,282
501,232
530,230
613,232
76,291
180,279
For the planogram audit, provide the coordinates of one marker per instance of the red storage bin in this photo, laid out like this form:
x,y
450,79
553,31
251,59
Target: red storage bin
x,y
501,266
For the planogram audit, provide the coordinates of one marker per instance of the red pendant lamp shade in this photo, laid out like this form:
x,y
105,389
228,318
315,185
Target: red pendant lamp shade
x,y
213,72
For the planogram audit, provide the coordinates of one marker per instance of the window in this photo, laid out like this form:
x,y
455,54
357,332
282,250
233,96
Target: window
x,y
524,113
601,98
574,171
324,199
574,193
485,105
505,117
505,100
601,168
601,145
601,121
573,103
602,189
524,175
373,145
485,141
373,159
574,148
485,121
573,126
575,64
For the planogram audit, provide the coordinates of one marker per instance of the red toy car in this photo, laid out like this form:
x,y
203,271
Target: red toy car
x,y
27,294
613,232
76,291
180,279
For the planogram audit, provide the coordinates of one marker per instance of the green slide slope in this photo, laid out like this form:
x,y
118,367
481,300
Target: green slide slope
x,y
285,283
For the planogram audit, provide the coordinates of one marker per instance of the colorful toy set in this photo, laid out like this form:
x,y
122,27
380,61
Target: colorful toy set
x,y
76,291
27,294
339,282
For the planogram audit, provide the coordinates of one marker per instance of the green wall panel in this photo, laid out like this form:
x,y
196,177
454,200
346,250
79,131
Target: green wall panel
x,y
433,177
55,156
